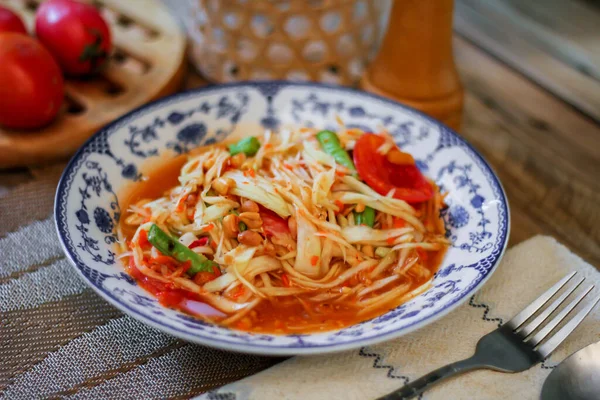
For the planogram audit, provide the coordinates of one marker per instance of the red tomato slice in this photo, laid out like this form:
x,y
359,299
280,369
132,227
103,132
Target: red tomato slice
x,y
273,224
383,176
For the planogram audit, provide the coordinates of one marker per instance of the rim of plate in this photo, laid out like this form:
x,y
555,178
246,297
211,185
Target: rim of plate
x,y
261,348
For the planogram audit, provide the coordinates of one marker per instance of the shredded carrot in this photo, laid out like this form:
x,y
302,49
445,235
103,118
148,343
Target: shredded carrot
x,y
340,173
285,280
149,216
339,204
288,166
268,146
209,227
314,260
181,203
213,244
250,172
164,260
390,240
239,292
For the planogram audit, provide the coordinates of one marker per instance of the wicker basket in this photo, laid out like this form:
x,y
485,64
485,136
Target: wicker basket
x,y
318,40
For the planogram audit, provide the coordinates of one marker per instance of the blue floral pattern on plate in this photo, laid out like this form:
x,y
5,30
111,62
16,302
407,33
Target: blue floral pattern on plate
x,y
87,205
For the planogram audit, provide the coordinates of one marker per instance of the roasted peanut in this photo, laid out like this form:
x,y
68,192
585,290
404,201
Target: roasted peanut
x,y
367,249
249,238
223,185
360,207
191,200
238,160
230,225
293,225
251,219
249,206
207,164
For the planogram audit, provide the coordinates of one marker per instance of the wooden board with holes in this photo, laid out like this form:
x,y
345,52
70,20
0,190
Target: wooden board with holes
x,y
148,62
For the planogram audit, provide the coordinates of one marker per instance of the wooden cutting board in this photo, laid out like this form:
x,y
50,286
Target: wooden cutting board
x,y
148,62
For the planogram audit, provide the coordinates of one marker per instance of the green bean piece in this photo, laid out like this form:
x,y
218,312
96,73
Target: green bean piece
x,y
249,146
172,248
330,143
366,217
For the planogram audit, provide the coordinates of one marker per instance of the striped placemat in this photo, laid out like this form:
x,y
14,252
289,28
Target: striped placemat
x,y
58,339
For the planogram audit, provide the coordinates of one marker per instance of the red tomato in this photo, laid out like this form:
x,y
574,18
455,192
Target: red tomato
x,y
10,22
75,33
273,224
31,84
170,298
383,176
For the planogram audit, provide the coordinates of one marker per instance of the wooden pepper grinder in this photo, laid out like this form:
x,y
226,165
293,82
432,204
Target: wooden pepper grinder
x,y
415,65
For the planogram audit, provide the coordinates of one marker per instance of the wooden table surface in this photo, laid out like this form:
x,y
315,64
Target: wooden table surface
x,y
544,146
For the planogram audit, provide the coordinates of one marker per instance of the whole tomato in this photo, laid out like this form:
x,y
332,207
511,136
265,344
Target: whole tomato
x,y
75,33
10,22
31,83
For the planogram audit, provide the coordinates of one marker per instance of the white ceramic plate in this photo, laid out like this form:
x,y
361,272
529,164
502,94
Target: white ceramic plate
x,y
87,204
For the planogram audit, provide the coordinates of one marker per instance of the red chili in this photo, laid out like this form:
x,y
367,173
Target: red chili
x,y
203,241
285,280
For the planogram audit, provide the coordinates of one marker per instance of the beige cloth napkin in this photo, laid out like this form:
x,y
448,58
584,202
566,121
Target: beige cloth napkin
x,y
526,271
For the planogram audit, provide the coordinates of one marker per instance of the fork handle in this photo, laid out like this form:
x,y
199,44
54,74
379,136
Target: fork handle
x,y
431,379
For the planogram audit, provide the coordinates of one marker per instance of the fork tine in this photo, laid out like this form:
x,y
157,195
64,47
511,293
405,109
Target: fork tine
x,y
537,321
531,309
547,348
538,337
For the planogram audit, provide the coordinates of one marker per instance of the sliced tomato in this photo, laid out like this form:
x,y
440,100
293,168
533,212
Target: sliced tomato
x,y
273,224
170,298
382,175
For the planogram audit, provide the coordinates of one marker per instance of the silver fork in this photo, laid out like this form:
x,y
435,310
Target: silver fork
x,y
513,347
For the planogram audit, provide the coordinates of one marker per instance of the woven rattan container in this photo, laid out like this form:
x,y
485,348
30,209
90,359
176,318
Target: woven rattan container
x,y
318,40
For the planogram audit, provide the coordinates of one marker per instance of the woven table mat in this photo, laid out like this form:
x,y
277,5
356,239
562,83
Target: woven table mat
x,y
58,339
